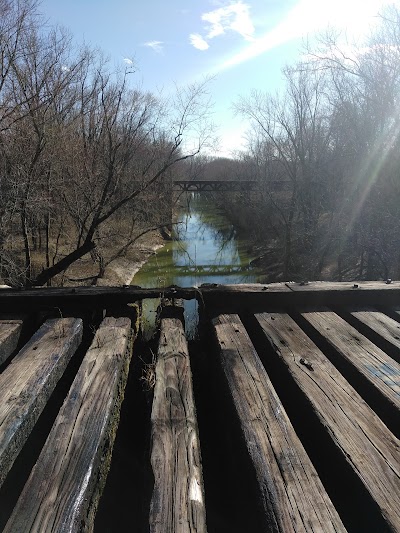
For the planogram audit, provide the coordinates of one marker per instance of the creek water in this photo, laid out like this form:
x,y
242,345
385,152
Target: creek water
x,y
205,248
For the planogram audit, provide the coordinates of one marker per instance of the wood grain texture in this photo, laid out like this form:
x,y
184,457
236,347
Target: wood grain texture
x,y
292,294
292,495
63,489
367,445
10,331
349,286
177,503
27,383
374,364
384,326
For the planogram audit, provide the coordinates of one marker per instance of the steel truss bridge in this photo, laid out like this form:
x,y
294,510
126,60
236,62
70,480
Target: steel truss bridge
x,y
214,186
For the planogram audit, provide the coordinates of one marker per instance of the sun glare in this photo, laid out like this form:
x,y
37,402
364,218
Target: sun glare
x,y
309,17
355,17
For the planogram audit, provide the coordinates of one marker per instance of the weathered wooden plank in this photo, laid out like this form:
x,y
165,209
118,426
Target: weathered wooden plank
x,y
127,294
238,298
63,489
252,288
379,369
27,383
351,286
366,444
346,293
293,497
177,502
10,331
289,294
274,297
379,323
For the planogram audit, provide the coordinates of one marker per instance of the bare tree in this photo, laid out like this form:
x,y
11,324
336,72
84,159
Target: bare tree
x,y
364,91
127,142
292,138
79,146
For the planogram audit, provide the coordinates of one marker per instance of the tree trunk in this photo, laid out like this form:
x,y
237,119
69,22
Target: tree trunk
x,y
63,264
28,261
370,263
47,229
398,267
361,268
340,266
288,251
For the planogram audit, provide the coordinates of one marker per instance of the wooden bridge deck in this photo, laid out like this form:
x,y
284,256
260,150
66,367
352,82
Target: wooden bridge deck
x,y
284,415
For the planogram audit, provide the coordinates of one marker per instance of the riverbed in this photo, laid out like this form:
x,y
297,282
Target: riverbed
x,y
205,248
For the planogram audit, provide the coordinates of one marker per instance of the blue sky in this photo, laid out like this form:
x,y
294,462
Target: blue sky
x,y
243,43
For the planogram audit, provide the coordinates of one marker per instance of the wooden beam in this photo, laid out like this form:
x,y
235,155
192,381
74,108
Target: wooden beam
x,y
292,495
90,296
383,326
360,437
252,296
351,286
177,502
10,331
378,369
63,489
27,383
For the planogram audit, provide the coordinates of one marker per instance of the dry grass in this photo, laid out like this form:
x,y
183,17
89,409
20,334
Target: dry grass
x,y
149,373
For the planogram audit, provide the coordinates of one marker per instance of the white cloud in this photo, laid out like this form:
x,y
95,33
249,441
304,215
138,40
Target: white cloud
x,y
198,42
233,17
157,46
128,61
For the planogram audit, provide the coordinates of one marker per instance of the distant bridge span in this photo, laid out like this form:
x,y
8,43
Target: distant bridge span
x,y
215,185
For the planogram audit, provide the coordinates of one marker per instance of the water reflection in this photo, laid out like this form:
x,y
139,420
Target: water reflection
x,y
205,249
